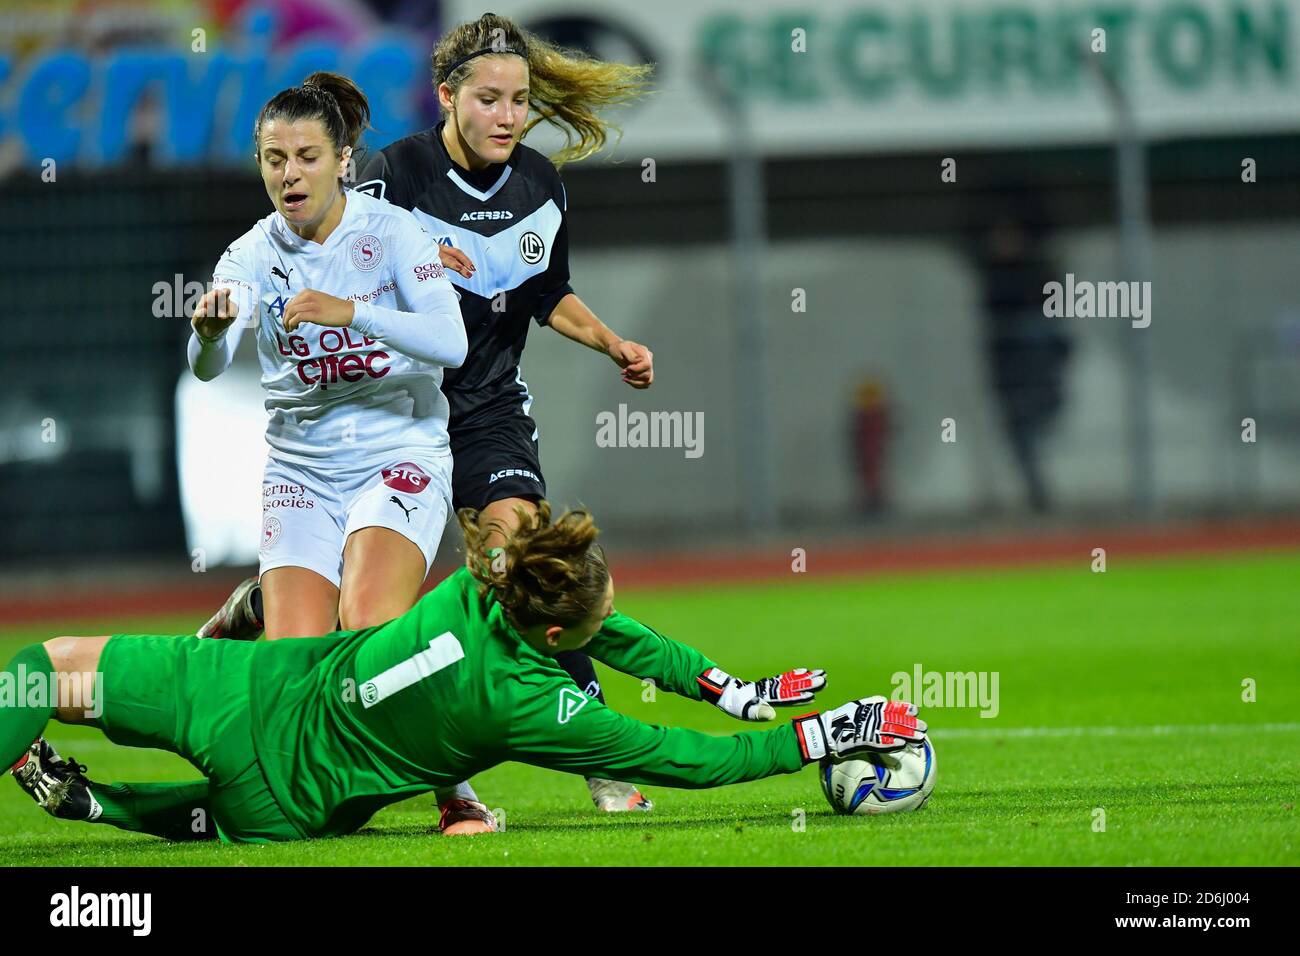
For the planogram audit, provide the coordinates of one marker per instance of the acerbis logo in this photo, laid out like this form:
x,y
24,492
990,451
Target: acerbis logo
x,y
571,701
486,214
367,253
509,472
531,248
374,188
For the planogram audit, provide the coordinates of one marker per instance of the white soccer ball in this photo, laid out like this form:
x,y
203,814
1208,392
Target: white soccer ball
x,y
880,783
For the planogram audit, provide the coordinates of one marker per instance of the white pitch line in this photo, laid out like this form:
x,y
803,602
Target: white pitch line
x,y
1153,730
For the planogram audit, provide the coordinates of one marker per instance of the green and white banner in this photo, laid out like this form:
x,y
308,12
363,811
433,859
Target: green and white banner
x,y
851,75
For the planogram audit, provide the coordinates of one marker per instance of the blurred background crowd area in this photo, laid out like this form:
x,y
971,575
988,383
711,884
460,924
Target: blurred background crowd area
x,y
858,320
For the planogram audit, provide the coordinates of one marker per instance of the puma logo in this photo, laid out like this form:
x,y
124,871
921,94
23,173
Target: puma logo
x,y
397,501
275,271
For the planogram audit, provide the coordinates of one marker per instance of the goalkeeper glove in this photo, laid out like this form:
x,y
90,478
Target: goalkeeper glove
x,y
867,724
754,700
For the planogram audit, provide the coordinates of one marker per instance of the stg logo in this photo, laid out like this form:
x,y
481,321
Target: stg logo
x,y
406,476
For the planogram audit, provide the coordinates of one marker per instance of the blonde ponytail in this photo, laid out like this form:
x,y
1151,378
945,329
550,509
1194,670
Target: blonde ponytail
x,y
566,88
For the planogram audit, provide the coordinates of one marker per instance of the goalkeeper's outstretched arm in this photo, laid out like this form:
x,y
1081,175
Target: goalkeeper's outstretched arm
x,y
627,645
555,727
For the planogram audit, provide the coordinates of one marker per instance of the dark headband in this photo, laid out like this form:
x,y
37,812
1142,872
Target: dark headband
x,y
465,59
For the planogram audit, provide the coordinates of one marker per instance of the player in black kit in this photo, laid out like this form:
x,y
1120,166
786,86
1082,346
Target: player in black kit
x,y
497,210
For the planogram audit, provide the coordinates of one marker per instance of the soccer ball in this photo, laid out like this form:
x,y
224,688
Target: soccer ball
x,y
880,783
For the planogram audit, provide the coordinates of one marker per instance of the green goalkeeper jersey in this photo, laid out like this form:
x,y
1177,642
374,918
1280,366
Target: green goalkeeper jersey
x,y
348,723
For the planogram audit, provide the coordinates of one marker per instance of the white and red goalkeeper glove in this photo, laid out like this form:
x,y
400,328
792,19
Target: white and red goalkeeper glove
x,y
754,700
867,724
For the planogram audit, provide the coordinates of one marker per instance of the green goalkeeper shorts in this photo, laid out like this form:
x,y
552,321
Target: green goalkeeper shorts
x,y
191,696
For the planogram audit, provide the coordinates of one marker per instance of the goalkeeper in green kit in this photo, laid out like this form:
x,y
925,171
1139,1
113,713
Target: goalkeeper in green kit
x,y
310,737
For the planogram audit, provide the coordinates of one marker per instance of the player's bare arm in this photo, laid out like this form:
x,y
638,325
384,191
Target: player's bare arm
x,y
575,321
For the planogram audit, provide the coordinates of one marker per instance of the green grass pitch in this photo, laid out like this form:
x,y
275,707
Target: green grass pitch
x,y
1095,659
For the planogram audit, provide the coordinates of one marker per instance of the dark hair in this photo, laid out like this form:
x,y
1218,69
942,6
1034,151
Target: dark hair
x,y
566,88
546,572
329,97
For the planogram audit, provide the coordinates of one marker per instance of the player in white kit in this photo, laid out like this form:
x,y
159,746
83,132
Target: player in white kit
x,y
355,322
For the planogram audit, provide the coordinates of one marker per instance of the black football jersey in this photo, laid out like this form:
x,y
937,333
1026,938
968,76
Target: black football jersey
x,y
510,220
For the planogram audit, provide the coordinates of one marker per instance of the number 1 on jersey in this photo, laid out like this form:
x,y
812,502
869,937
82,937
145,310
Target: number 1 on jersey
x,y
442,651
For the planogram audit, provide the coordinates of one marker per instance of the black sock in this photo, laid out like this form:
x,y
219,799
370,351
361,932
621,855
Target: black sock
x,y
582,671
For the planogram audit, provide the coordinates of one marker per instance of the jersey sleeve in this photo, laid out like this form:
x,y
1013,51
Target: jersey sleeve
x,y
555,284
554,725
234,272
631,647
375,177
432,328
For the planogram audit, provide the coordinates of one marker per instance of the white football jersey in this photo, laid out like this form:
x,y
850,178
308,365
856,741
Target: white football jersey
x,y
334,392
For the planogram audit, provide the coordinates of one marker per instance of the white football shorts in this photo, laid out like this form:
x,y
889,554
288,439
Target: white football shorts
x,y
307,514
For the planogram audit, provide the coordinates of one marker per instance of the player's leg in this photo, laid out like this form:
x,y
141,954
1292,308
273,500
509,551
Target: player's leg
x,y
382,574
299,602
301,550
60,785
192,697
392,528
300,554
502,517
34,690
175,811
304,605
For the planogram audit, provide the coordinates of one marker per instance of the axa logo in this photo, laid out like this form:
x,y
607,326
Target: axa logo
x,y
571,701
